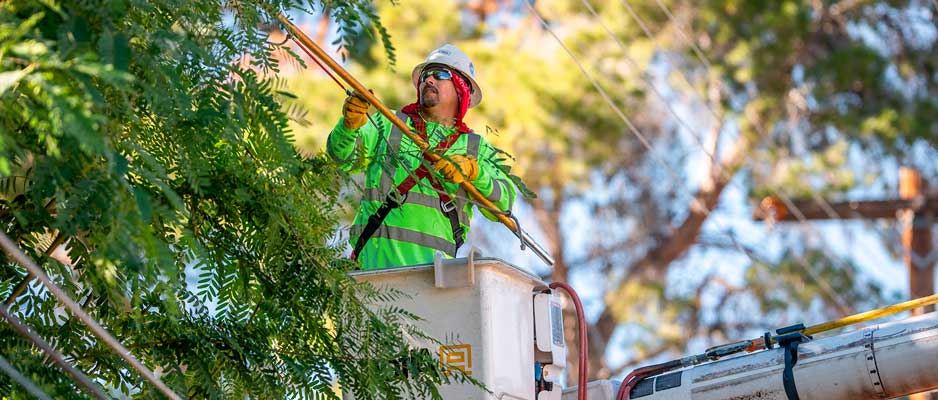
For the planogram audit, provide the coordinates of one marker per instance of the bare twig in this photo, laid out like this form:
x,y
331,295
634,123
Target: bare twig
x,y
57,357
17,254
20,287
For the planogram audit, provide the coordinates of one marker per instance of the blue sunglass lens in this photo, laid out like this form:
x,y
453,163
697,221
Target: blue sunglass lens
x,y
438,74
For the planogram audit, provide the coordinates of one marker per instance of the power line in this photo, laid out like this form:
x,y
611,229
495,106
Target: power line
x,y
706,63
708,67
16,254
761,130
57,357
680,72
648,82
703,59
641,137
684,36
27,384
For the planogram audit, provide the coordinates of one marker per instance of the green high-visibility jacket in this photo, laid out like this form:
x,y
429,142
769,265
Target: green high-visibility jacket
x,y
412,233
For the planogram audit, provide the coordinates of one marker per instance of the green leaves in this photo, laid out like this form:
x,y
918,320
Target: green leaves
x,y
358,18
148,137
500,161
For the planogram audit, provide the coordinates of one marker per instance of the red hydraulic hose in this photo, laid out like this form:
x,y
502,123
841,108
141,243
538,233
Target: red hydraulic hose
x,y
636,376
628,383
583,371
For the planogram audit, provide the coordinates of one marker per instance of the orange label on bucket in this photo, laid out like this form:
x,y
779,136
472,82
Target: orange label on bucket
x,y
456,357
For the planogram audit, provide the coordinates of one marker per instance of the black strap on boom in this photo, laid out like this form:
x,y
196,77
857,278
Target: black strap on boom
x,y
789,338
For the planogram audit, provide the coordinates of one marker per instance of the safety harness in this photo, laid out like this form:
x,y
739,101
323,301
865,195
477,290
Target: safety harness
x,y
398,196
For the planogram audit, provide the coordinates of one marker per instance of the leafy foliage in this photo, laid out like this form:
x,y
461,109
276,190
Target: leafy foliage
x,y
358,18
146,137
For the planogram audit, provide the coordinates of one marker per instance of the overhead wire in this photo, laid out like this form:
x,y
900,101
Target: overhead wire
x,y
641,137
708,67
843,305
650,84
824,204
703,59
706,62
680,72
720,85
683,34
22,259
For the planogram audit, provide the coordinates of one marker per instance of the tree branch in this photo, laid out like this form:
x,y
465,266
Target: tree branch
x,y
837,10
21,287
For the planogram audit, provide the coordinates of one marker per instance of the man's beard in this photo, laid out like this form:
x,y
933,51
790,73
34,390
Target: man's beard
x,y
429,101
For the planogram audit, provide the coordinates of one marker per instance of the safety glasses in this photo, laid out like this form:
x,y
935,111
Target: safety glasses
x,y
437,73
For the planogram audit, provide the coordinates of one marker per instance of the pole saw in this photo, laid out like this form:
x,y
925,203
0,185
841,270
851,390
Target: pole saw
x,y
315,52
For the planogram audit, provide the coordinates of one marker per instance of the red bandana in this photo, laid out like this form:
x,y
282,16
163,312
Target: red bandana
x,y
462,93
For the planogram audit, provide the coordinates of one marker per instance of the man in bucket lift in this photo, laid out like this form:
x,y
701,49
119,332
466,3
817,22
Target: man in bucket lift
x,y
412,208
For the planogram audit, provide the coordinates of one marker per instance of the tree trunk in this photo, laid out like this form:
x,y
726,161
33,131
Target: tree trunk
x,y
653,266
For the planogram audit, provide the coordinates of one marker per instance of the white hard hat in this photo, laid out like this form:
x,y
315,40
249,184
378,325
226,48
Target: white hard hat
x,y
452,57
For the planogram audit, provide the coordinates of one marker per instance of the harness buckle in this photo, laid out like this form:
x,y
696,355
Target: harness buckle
x,y
447,206
395,198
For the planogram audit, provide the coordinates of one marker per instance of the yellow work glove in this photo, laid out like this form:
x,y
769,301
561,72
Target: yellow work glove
x,y
457,168
355,111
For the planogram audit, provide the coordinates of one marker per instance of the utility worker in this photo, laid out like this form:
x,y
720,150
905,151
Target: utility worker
x,y
408,212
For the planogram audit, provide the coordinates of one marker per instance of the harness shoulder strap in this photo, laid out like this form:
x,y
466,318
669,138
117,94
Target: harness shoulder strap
x,y
394,140
472,144
449,206
386,180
